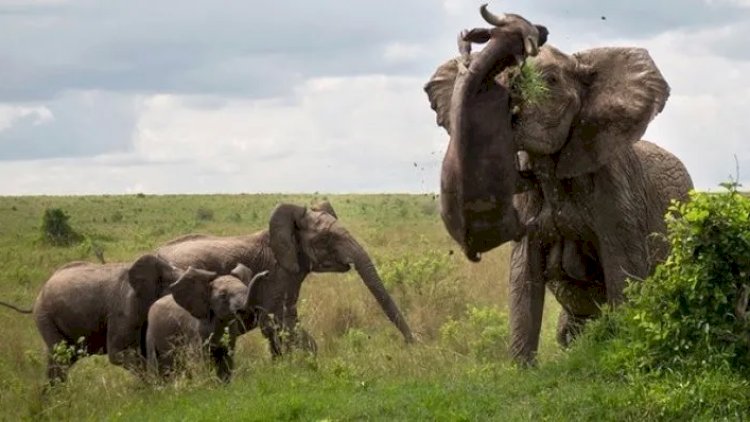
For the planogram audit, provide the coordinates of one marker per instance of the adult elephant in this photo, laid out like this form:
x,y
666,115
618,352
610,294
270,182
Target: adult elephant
x,y
591,192
298,241
100,309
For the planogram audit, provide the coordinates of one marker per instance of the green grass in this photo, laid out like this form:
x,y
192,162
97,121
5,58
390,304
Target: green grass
x,y
528,85
363,371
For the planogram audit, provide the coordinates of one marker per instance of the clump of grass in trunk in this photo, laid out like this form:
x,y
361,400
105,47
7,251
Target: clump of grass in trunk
x,y
56,230
527,85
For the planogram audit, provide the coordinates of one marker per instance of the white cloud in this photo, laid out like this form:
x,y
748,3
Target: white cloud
x,y
163,98
9,114
740,3
400,52
341,134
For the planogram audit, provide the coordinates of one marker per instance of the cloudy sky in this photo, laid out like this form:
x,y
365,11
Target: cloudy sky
x,y
249,96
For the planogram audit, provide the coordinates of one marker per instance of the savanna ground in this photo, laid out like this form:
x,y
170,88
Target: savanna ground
x,y
363,371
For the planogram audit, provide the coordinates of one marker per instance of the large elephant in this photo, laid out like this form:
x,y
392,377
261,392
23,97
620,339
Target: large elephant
x,y
101,309
298,241
204,309
593,192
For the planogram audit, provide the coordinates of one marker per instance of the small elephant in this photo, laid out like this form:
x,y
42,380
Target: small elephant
x,y
298,241
101,308
204,309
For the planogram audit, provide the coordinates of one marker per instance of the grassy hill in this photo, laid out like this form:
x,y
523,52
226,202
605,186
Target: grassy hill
x,y
459,371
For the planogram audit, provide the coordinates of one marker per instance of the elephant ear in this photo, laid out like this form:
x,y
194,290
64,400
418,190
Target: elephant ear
x,y
193,292
325,207
624,91
282,227
149,276
439,90
242,272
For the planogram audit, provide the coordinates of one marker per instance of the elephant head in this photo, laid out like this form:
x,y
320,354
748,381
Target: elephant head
x,y
222,299
600,101
150,277
479,175
312,239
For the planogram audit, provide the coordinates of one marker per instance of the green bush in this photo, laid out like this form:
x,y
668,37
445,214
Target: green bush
x,y
56,230
116,217
417,272
204,214
693,311
482,333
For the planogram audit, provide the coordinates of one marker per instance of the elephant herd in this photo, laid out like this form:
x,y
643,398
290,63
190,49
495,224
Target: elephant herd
x,y
202,290
567,179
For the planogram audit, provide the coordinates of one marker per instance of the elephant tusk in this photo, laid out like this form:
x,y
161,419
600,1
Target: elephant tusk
x,y
531,46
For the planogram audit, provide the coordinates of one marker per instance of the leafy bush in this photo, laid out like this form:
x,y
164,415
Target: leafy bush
x,y
419,273
204,214
64,354
693,311
116,217
483,333
56,230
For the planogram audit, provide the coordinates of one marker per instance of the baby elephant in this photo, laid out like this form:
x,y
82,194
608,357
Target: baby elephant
x,y
204,310
99,309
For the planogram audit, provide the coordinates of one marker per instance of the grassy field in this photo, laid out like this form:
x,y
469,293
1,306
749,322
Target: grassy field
x,y
458,371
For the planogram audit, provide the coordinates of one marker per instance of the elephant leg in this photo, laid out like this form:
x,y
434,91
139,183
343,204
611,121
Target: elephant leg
x,y
526,299
620,261
121,351
306,341
224,363
568,328
57,371
270,328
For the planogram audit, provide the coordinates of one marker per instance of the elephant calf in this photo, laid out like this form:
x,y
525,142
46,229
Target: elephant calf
x,y
101,308
204,309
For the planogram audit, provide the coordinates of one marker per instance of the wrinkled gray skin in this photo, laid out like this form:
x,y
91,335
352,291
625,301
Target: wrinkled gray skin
x,y
105,304
595,192
204,309
298,241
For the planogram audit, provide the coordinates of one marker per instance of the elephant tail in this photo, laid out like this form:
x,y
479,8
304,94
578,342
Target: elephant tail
x,y
19,310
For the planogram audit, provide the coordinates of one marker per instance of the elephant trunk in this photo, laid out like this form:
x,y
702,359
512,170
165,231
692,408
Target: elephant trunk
x,y
479,175
369,274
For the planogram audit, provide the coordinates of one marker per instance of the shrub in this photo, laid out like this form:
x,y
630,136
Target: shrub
x,y
204,214
419,273
56,230
693,311
116,217
482,333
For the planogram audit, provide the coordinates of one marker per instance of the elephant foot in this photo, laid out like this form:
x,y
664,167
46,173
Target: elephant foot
x,y
568,328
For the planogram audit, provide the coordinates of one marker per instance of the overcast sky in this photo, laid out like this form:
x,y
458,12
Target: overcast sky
x,y
182,96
